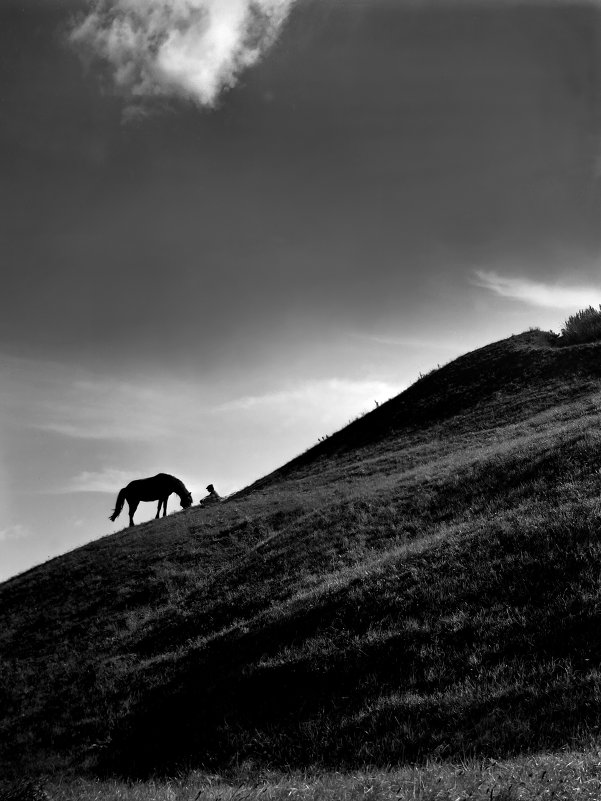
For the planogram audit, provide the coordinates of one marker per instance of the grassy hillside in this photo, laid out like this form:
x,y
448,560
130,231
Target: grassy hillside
x,y
423,584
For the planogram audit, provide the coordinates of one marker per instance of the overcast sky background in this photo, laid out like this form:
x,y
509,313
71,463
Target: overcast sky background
x,y
223,236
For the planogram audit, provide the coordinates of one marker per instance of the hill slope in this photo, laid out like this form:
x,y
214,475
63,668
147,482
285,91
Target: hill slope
x,y
426,581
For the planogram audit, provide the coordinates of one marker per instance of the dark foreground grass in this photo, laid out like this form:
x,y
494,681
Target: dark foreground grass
x,y
431,595
565,776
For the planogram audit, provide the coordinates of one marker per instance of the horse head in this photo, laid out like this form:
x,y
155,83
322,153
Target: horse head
x,y
186,500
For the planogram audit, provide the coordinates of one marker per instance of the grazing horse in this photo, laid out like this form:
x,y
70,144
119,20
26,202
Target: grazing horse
x,y
158,488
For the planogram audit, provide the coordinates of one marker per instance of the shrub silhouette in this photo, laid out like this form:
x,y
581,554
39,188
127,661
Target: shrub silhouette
x,y
584,326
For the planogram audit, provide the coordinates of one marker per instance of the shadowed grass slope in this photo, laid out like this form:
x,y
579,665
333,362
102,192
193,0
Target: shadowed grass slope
x,y
424,583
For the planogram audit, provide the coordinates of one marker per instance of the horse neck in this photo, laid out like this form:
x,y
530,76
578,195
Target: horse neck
x,y
179,488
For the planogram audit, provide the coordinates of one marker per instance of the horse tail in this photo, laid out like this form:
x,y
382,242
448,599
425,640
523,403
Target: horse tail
x,y
118,505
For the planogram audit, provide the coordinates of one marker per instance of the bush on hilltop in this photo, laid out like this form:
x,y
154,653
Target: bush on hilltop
x,y
584,326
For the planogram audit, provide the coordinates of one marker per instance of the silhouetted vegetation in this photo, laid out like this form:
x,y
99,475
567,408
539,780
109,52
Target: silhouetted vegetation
x,y
584,326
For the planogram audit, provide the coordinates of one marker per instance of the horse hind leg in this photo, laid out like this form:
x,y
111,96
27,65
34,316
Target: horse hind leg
x,y
156,517
133,505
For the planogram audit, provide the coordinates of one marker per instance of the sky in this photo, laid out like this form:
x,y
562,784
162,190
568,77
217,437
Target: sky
x,y
229,227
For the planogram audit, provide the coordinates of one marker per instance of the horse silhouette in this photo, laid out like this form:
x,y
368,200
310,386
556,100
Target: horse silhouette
x,y
158,488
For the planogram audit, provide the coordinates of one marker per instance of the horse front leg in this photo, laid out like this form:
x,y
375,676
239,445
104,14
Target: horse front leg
x,y
163,503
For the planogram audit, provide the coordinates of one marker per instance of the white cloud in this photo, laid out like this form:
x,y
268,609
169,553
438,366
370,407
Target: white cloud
x,y
102,409
193,49
327,402
538,293
108,480
16,532
418,343
151,410
82,405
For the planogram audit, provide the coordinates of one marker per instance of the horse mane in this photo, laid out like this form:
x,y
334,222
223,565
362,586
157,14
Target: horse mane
x,y
180,487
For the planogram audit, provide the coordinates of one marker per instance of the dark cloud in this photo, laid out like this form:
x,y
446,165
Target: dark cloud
x,y
379,155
